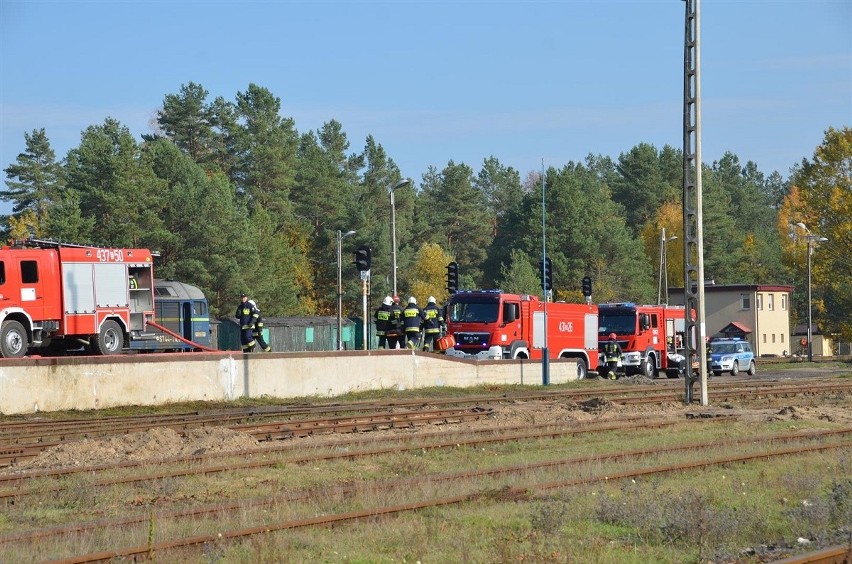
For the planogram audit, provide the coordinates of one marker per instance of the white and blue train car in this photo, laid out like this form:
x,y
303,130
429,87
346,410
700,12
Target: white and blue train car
x,y
182,309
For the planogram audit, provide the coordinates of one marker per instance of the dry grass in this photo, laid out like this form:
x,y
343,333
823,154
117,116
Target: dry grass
x,y
731,512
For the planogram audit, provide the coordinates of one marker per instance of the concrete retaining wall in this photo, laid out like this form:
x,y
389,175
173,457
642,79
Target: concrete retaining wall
x,y
52,384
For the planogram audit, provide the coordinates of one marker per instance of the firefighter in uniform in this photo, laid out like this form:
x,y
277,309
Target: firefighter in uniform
x,y
383,321
247,315
432,323
394,330
612,354
709,352
412,319
257,330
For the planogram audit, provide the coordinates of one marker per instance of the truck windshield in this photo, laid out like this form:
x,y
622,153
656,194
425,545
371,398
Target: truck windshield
x,y
474,311
617,322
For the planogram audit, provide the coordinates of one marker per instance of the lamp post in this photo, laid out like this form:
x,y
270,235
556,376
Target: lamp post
x,y
663,281
810,238
393,189
340,237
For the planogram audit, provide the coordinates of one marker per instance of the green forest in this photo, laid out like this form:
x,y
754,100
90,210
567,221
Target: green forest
x,y
234,198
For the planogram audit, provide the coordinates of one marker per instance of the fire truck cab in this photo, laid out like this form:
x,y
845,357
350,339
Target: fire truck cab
x,y
56,297
491,325
651,337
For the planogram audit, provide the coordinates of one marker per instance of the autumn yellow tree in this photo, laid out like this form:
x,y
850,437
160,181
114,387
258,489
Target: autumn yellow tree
x,y
428,275
26,225
821,201
670,218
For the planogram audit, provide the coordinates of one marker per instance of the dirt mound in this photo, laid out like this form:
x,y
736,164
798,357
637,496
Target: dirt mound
x,y
595,405
161,443
153,444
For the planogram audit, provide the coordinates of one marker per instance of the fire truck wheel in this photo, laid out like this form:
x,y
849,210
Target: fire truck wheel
x,y
13,340
648,368
582,369
110,340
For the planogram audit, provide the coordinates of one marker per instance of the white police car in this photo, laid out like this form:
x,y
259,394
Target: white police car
x,y
731,355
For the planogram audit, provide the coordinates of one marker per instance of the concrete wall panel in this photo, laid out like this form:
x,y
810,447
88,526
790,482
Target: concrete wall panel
x,y
84,383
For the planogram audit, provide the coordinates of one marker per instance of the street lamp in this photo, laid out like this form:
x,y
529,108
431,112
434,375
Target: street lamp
x,y
340,237
810,237
664,266
393,189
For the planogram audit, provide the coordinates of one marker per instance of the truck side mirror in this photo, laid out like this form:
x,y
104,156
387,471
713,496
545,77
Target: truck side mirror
x,y
644,321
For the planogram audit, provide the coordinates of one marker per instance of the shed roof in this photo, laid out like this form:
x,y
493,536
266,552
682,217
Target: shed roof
x,y
736,326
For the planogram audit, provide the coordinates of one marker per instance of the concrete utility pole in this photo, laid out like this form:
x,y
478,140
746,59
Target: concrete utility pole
x,y
663,282
811,238
693,231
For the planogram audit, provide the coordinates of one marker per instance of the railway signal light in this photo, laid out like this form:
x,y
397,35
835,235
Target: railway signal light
x,y
546,269
452,277
587,286
363,258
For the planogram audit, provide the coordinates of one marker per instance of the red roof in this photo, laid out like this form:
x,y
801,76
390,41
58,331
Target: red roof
x,y
735,325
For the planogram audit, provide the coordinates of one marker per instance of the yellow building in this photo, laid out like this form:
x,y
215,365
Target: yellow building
x,y
759,313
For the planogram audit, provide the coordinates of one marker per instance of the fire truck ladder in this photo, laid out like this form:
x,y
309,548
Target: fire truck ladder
x,y
48,244
53,244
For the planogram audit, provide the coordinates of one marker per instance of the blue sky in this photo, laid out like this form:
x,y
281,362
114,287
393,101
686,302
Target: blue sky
x,y
524,81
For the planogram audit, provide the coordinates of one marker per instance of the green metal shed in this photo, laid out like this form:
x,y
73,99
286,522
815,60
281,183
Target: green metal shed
x,y
293,334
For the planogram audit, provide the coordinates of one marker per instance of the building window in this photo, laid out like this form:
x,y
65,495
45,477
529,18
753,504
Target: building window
x,y
759,302
745,301
770,301
764,337
782,337
773,337
783,302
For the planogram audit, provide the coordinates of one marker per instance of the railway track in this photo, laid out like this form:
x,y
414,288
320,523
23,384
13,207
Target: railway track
x,y
14,453
523,490
24,440
276,507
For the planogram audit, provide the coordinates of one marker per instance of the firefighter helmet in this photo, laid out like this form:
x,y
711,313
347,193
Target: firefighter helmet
x,y
412,300
396,299
431,299
612,336
388,300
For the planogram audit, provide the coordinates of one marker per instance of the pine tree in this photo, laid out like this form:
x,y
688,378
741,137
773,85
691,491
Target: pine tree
x,y
35,182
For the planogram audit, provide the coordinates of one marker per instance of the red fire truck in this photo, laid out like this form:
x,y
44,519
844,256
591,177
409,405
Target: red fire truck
x,y
56,297
651,336
488,324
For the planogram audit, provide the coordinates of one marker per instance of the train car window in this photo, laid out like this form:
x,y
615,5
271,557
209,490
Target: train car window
x,y
198,308
163,291
29,271
2,272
